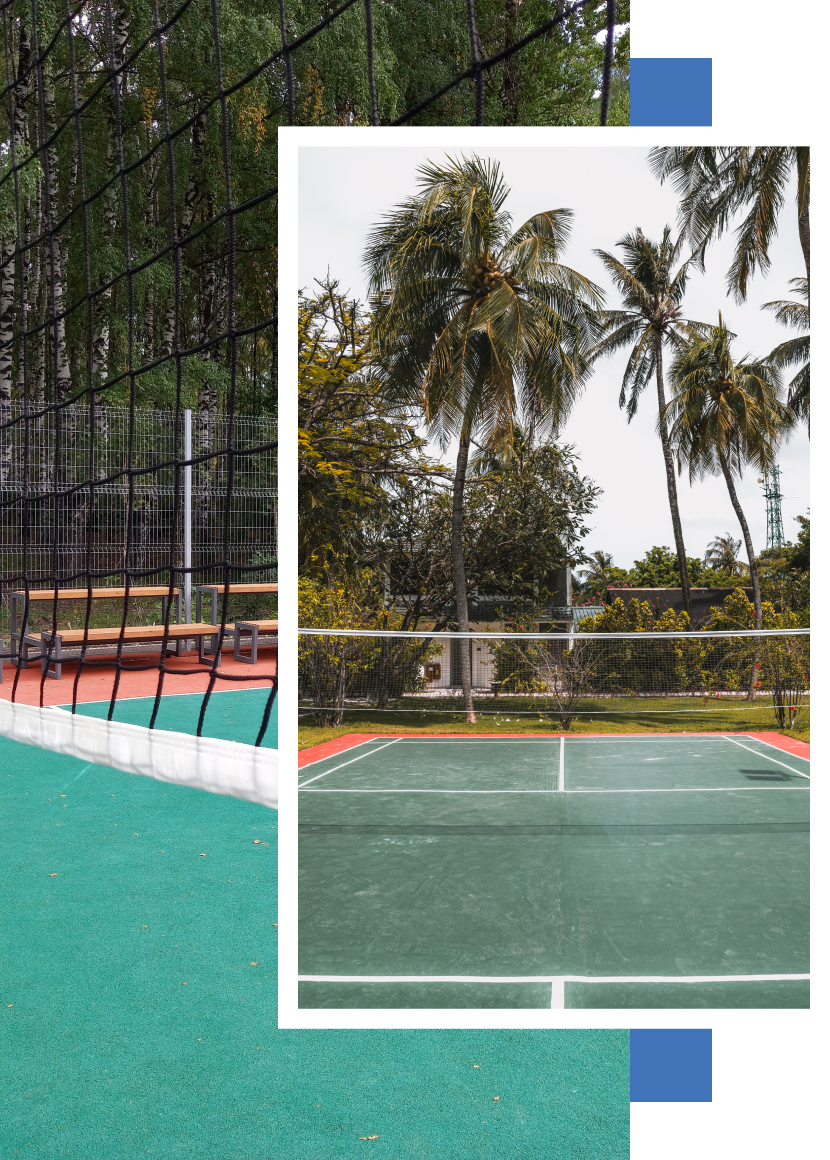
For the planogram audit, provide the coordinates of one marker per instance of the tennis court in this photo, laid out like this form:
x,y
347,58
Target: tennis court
x,y
587,871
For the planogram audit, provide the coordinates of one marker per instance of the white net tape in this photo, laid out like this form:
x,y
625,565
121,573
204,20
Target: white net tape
x,y
209,763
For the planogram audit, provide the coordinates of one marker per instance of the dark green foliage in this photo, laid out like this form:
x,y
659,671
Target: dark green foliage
x,y
420,46
123,235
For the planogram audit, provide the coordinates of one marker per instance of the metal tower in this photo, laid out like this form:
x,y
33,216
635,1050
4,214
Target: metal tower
x,y
772,494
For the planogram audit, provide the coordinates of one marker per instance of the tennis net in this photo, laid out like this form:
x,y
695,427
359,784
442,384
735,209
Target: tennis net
x,y
138,280
565,675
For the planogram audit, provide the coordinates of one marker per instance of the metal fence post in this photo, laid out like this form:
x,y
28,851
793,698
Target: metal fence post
x,y
188,516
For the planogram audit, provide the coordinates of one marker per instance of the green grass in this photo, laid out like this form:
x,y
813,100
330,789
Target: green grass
x,y
750,719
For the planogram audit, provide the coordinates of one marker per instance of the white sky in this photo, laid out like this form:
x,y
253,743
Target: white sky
x,y
342,193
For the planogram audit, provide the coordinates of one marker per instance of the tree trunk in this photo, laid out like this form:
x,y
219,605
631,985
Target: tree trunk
x,y
55,254
671,484
511,82
459,573
753,565
118,88
191,198
8,243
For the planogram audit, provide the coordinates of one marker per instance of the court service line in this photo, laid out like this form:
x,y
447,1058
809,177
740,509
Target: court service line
x,y
702,789
561,764
358,758
693,789
317,760
549,978
428,790
767,757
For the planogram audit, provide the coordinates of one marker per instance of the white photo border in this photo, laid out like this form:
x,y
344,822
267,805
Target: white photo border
x,y
290,1015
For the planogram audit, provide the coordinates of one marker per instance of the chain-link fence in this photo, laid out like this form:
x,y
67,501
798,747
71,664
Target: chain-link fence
x,y
97,498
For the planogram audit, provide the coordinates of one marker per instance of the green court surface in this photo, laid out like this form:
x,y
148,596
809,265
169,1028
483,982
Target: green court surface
x,y
587,872
138,1004
233,716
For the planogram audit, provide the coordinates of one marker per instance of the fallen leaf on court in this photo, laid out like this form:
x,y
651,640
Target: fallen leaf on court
x,y
495,1099
203,855
144,928
257,841
135,835
275,924
254,964
184,984
370,1137
55,875
476,1065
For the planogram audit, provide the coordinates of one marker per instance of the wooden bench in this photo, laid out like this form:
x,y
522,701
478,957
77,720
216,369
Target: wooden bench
x,y
17,605
51,645
213,590
254,627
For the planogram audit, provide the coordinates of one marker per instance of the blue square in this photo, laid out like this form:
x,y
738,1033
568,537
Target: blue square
x,y
671,1066
671,90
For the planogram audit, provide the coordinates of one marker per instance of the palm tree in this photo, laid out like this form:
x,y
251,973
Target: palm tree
x,y
717,182
598,573
723,415
475,326
794,351
652,313
722,554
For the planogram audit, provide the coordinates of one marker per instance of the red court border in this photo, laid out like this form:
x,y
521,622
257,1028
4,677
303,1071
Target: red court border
x,y
350,740
184,675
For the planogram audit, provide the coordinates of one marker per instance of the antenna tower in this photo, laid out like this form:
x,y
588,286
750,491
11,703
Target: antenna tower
x,y
772,494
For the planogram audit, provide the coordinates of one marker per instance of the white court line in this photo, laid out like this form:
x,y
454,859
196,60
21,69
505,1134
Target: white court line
x,y
761,741
317,760
548,978
707,789
561,764
767,757
430,790
700,789
358,758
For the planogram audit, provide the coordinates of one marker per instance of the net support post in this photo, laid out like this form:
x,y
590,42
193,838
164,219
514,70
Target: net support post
x,y
188,520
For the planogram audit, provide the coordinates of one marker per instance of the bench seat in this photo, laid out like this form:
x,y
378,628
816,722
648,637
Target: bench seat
x,y
52,644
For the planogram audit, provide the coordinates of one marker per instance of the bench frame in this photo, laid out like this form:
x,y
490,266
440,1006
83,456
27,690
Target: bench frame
x,y
212,590
239,627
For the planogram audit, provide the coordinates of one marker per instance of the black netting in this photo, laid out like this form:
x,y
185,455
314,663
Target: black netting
x,y
138,284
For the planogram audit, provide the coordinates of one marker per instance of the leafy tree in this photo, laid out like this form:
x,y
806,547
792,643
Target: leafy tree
x,y
651,314
155,251
335,668
635,616
722,553
353,442
785,572
598,574
420,47
794,351
724,414
716,183
800,556
523,523
477,327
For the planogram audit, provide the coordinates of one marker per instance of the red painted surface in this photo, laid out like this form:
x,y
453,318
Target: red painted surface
x,y
788,744
185,675
350,740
